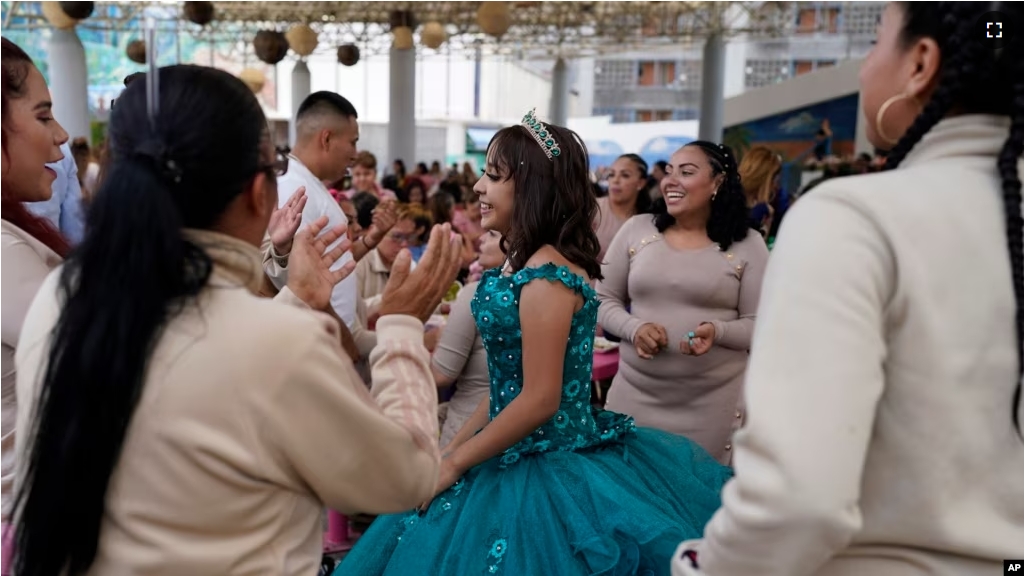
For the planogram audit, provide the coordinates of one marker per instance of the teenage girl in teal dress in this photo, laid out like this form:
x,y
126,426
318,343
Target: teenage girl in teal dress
x,y
538,482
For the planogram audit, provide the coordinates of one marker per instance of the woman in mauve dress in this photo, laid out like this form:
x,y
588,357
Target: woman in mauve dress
x,y
682,287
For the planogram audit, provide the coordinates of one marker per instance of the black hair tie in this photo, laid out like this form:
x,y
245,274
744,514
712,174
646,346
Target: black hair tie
x,y
157,156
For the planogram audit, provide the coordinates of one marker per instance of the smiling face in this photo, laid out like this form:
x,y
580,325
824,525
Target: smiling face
x,y
495,190
625,182
33,139
689,183
363,179
491,255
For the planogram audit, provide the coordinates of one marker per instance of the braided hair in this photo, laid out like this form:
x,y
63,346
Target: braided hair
x,y
974,80
728,221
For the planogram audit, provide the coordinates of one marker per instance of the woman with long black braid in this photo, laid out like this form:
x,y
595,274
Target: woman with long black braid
x,y
883,392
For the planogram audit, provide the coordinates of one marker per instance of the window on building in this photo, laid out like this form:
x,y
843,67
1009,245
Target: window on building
x,y
830,19
818,19
685,114
760,73
803,67
806,20
663,115
646,74
667,75
645,116
614,73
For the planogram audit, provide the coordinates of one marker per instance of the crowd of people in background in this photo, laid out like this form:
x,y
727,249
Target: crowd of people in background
x,y
208,340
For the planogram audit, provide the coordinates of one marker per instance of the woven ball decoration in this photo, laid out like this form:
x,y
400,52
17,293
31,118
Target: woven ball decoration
x,y
494,18
253,78
57,17
400,18
136,51
402,38
302,39
77,10
270,46
201,13
433,35
348,54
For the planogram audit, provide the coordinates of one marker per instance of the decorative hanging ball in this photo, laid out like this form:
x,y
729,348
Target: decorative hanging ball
x,y
302,39
201,13
253,78
270,46
400,18
136,51
433,35
402,38
57,17
78,10
348,54
494,18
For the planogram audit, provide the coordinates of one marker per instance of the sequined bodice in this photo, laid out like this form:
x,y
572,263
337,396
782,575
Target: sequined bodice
x,y
496,310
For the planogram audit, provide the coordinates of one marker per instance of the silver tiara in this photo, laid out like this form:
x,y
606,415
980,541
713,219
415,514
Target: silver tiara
x,y
540,133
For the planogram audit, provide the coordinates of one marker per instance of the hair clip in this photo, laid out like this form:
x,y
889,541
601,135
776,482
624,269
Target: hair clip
x,y
541,134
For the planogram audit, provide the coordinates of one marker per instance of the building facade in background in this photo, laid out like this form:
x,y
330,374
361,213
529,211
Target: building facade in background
x,y
647,88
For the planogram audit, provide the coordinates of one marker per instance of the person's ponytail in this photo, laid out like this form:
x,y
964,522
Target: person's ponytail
x,y
134,271
99,352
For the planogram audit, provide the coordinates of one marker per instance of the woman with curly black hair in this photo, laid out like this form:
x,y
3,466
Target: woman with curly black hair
x,y
681,287
884,391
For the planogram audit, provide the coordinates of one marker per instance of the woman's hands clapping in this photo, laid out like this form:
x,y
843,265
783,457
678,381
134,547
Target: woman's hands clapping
x,y
419,292
285,221
309,272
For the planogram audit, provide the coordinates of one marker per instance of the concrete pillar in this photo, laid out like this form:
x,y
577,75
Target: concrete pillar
x,y
300,90
713,72
69,83
558,109
402,108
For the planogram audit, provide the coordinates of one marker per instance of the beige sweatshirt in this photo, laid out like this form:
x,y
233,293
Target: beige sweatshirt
x,y
251,422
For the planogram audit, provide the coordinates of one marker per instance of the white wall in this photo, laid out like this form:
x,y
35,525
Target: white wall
x,y
445,88
631,136
818,86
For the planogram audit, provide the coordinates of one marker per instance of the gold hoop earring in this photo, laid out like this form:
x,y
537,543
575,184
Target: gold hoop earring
x,y
882,111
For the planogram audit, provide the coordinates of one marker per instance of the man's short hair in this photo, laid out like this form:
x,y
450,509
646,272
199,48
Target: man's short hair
x,y
325,101
322,110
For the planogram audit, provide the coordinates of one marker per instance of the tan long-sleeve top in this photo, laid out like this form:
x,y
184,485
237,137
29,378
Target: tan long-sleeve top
x,y
880,438
251,421
27,262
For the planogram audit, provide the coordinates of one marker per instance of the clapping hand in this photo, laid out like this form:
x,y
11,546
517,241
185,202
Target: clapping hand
x,y
285,221
419,292
384,218
309,272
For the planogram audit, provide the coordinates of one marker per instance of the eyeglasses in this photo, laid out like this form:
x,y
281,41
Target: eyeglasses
x,y
399,238
280,163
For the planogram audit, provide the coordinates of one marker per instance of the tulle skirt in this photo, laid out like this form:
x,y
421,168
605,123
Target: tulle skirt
x,y
617,509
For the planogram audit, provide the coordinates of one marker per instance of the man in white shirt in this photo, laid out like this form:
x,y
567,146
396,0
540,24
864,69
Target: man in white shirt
x,y
325,148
